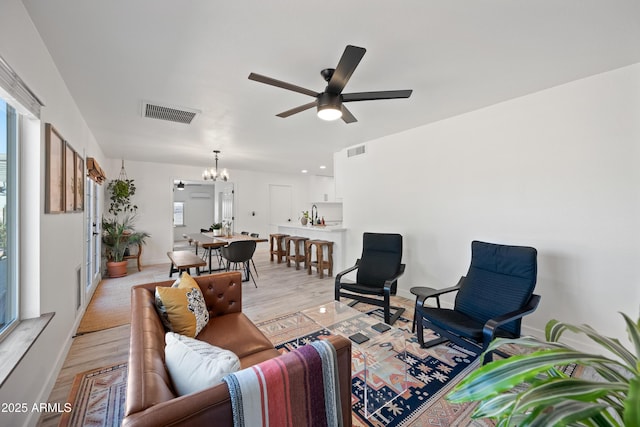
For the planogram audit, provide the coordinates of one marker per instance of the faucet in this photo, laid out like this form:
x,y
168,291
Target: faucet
x,y
314,219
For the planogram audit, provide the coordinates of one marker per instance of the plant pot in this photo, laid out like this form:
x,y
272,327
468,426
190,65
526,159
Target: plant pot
x,y
117,269
217,232
303,221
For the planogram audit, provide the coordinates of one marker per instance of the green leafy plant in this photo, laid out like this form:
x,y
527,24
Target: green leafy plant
x,y
120,193
118,234
216,226
545,396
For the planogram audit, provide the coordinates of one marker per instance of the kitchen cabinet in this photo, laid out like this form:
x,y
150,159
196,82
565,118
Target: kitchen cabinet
x,y
322,189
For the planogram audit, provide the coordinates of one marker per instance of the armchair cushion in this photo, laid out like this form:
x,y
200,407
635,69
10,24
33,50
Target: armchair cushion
x,y
381,258
465,326
500,279
378,270
361,289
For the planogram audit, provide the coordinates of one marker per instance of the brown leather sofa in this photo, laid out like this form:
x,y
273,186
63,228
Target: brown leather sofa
x,y
151,400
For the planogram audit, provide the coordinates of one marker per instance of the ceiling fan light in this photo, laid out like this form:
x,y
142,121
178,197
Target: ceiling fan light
x,y
329,113
329,106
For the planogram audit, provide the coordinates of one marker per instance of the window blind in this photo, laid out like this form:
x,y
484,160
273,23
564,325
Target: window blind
x,y
15,88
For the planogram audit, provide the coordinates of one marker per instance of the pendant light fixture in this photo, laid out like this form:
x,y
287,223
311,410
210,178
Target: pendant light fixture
x,y
213,174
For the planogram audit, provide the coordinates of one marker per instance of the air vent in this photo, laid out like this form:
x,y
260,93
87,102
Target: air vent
x,y
172,114
355,151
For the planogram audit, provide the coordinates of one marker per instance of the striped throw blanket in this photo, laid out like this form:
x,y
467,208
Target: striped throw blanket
x,y
299,388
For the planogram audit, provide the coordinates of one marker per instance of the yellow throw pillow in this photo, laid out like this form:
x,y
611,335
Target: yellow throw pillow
x,y
186,281
185,307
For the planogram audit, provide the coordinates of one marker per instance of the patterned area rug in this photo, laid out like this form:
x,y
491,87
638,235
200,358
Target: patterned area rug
x,y
98,398
431,374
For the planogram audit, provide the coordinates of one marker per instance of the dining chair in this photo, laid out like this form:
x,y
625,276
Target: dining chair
x,y
238,253
255,235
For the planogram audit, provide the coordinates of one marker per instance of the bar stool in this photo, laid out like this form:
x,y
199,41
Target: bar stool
x,y
295,255
276,246
321,263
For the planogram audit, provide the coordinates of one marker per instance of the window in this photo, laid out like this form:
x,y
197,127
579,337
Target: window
x,y
8,216
178,214
19,129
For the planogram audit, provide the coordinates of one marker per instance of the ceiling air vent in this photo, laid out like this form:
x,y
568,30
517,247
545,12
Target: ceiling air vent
x,y
355,151
172,114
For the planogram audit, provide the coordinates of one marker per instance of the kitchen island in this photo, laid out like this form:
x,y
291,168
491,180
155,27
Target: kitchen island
x,y
331,233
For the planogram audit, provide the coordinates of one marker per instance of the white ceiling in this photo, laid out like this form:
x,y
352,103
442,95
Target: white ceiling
x,y
457,56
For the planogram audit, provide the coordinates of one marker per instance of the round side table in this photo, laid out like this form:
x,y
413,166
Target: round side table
x,y
422,293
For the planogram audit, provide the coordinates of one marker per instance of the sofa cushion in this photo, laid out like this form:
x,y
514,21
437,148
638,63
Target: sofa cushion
x,y
195,365
185,308
222,331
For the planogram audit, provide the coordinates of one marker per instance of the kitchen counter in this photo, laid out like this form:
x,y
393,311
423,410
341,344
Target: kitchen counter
x,y
332,233
322,228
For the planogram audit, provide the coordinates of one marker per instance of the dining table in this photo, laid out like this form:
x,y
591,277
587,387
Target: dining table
x,y
207,240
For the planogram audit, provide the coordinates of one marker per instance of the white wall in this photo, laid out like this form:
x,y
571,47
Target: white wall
x,y
154,197
557,170
33,378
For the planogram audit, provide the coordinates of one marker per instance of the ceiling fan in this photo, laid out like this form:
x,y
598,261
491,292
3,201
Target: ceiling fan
x,y
330,102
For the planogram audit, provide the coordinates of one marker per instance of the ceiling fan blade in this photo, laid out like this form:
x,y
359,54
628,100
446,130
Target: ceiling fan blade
x,y
281,84
347,116
371,96
297,109
347,65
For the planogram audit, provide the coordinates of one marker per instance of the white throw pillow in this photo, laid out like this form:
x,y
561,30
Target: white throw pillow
x,y
195,365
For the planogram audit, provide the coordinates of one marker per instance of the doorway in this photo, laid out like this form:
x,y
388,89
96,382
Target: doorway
x,y
197,205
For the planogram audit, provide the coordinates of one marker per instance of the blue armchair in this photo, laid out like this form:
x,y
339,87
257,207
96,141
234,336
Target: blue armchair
x,y
491,300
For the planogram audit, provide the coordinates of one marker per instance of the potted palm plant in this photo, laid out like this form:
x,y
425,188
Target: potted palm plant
x,y
117,234
530,390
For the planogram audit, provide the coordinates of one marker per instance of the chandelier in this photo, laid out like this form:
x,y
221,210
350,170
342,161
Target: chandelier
x,y
213,174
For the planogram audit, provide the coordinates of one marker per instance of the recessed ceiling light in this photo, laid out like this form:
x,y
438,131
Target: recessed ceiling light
x,y
323,167
304,171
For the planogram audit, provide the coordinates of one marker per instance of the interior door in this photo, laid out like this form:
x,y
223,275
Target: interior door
x,y
280,206
93,243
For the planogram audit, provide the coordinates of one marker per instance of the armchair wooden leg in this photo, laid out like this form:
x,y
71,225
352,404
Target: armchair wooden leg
x,y
387,309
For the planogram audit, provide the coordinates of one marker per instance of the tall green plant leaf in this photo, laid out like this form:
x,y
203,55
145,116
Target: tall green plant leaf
x,y
500,404
547,396
632,404
550,391
633,330
567,413
555,329
502,375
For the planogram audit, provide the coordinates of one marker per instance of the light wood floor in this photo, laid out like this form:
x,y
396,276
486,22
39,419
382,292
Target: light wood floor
x,y
280,290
